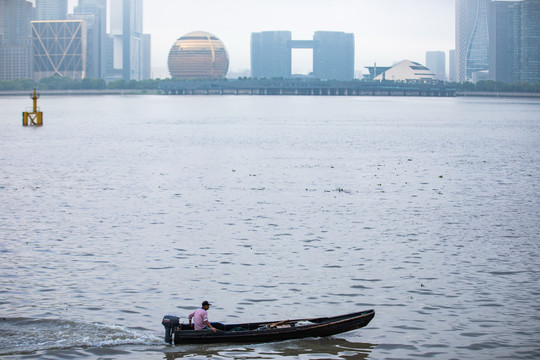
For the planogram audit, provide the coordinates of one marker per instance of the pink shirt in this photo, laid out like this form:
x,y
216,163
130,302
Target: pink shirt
x,y
199,316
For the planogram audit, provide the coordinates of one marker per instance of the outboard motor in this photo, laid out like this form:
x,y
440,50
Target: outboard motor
x,y
170,322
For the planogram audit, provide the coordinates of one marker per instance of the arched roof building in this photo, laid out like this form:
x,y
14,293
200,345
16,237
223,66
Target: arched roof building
x,y
407,70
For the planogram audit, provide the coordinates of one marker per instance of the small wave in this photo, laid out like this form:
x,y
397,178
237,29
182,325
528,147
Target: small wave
x,y
27,335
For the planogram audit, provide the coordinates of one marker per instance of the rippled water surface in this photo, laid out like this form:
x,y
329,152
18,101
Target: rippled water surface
x,y
120,210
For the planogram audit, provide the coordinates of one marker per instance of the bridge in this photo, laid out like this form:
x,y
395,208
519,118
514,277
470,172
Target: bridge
x,y
306,87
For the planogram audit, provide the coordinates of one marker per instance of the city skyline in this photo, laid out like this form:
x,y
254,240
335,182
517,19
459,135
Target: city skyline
x,y
386,31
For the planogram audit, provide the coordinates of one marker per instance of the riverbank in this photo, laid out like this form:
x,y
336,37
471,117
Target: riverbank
x,y
497,94
157,92
80,92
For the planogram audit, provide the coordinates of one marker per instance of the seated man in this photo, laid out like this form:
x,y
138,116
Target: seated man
x,y
200,317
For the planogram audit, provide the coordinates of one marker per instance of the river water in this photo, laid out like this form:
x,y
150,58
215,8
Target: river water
x,y
122,209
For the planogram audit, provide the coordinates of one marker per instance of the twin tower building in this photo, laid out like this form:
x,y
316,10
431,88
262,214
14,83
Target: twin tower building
x,y
333,54
203,55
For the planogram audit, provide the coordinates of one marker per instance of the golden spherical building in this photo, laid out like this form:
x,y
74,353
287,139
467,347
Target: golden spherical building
x,y
198,55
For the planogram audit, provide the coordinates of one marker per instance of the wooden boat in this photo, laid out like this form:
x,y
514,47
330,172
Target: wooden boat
x,y
258,332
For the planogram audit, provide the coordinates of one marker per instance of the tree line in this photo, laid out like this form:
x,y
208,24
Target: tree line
x,y
498,86
63,83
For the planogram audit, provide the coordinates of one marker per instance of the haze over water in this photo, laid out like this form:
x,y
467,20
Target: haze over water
x,y
122,209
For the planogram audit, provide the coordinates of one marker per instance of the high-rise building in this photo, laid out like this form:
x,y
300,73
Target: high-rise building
x,y
51,9
15,39
530,41
271,54
514,46
333,55
504,40
94,12
111,73
126,31
59,48
472,38
436,62
452,65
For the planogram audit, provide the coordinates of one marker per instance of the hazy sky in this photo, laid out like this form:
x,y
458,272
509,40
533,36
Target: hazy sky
x,y
386,31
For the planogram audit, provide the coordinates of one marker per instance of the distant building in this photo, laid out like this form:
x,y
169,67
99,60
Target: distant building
x,y
436,62
112,73
452,66
271,54
15,39
480,76
333,54
198,55
530,41
59,48
126,32
147,57
504,40
472,38
375,71
94,12
407,70
51,10
514,46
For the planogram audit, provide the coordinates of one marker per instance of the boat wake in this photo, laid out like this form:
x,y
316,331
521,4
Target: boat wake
x,y
26,335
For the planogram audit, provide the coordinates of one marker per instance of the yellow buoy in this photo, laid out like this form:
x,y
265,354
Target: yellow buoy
x,y
34,118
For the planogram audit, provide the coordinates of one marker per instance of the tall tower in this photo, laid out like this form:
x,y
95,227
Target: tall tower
x,y
126,32
472,38
94,12
504,40
530,41
51,9
15,39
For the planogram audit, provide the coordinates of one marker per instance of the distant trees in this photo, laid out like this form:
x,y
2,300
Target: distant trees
x,y
497,86
63,83
23,84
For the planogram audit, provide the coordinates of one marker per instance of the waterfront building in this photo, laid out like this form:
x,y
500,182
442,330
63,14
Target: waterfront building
x,y
15,39
126,32
51,9
94,12
375,71
405,71
271,54
198,55
333,54
59,48
472,38
436,62
530,41
452,65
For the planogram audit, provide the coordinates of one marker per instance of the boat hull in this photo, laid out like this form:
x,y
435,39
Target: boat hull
x,y
273,331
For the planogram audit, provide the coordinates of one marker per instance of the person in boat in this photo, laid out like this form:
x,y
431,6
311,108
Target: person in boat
x,y
200,318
